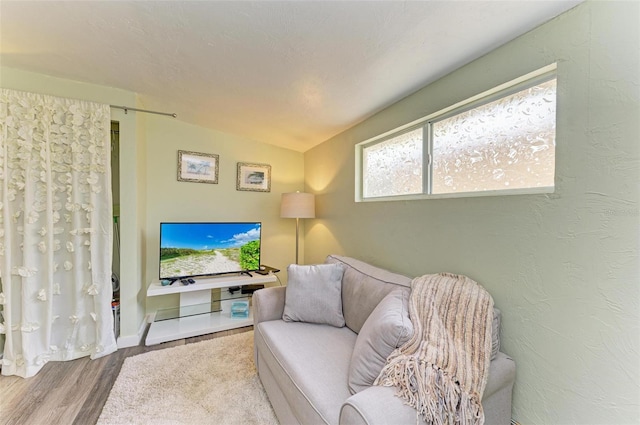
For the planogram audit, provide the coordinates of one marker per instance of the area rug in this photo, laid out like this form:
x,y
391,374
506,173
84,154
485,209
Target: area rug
x,y
208,382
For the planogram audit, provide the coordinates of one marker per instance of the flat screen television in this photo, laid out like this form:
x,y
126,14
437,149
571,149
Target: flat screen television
x,y
206,249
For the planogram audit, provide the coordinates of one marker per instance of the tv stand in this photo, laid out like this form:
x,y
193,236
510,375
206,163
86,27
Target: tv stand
x,y
199,313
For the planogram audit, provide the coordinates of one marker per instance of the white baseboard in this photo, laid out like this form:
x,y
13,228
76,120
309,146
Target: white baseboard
x,y
134,340
128,341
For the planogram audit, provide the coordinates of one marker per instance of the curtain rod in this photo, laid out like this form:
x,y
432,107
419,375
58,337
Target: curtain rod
x,y
126,109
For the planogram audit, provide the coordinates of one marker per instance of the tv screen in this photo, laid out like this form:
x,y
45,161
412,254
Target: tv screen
x,y
202,249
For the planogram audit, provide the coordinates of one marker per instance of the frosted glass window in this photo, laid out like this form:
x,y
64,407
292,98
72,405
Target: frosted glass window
x,y
505,144
394,166
501,141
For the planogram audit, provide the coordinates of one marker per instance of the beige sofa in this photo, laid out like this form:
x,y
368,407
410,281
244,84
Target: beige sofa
x,y
307,369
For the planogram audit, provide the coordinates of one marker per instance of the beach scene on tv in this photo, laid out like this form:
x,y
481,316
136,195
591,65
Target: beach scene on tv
x,y
194,249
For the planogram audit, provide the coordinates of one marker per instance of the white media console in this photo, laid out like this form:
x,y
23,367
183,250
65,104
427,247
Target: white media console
x,y
200,312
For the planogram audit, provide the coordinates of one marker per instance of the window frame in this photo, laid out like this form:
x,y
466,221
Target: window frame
x,y
385,139
531,79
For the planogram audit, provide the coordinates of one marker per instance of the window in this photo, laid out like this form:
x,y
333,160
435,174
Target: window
x,y
394,166
499,142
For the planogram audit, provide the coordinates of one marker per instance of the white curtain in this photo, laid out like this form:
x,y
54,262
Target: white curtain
x,y
55,230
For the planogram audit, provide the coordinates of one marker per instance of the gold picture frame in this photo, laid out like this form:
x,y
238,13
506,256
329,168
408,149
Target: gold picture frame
x,y
253,177
198,167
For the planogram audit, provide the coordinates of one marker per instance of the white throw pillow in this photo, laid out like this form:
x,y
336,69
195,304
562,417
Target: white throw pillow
x,y
387,328
314,294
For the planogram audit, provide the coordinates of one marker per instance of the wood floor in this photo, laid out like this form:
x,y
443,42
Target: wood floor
x,y
72,392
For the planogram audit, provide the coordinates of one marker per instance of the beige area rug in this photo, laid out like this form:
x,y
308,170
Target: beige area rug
x,y
208,382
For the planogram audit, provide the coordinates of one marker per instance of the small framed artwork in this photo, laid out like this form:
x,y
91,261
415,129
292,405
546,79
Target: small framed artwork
x,y
198,167
254,177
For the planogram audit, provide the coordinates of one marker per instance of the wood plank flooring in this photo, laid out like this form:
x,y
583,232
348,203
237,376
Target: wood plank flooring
x,y
72,392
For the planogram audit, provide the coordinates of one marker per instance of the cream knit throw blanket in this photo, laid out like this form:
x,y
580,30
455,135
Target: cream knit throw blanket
x,y
442,370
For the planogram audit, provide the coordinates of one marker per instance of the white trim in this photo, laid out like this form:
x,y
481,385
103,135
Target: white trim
x,y
135,340
487,96
505,192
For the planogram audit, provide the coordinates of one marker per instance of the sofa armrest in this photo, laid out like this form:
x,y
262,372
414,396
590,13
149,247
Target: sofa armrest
x,y
377,406
496,400
268,304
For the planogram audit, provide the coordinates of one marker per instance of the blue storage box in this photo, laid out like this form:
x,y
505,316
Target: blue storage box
x,y
240,309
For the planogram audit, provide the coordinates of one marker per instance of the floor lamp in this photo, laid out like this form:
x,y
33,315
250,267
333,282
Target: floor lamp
x,y
298,205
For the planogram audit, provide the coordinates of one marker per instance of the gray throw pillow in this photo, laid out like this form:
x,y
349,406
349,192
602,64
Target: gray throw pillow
x,y
387,328
314,294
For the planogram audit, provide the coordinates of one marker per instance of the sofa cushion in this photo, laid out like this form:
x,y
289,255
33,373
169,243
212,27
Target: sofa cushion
x,y
310,363
363,287
387,328
314,294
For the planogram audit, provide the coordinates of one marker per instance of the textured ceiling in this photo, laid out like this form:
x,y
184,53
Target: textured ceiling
x,y
288,73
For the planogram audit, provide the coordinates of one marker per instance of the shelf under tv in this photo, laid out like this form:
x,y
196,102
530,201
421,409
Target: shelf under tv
x,y
200,312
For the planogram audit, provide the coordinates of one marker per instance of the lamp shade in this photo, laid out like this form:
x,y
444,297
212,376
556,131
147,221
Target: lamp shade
x,y
298,205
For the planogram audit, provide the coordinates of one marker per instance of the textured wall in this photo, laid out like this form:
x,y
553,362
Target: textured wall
x,y
171,200
563,267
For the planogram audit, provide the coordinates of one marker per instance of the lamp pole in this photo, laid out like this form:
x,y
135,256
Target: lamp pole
x,y
297,237
298,205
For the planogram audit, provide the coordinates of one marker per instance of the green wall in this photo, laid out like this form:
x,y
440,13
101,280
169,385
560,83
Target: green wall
x,y
562,267
171,200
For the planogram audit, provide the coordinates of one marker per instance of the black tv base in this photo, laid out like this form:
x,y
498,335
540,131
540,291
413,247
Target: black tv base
x,y
228,273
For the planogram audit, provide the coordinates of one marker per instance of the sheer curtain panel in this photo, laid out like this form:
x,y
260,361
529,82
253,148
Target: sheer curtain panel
x,y
55,230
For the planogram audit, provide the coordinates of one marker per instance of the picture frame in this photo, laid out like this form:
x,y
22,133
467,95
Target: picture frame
x,y
198,167
254,177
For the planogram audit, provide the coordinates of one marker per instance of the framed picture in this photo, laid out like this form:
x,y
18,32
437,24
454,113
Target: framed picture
x,y
198,167
254,177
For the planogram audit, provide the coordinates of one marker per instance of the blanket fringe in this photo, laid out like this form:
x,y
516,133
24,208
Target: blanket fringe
x,y
443,403
442,370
